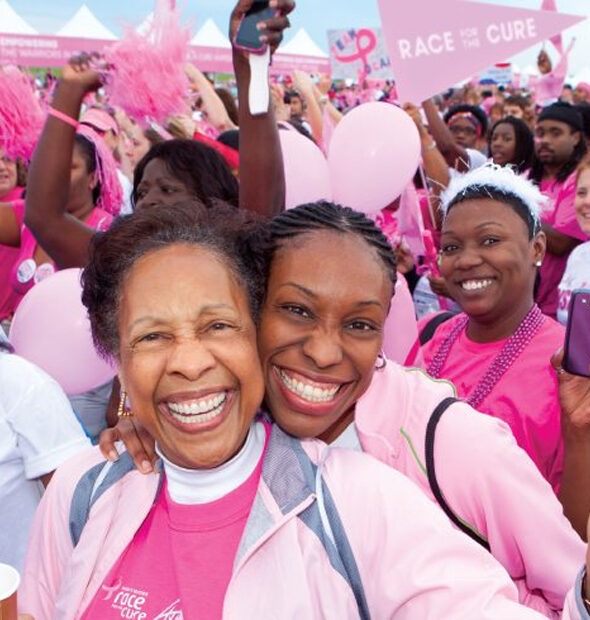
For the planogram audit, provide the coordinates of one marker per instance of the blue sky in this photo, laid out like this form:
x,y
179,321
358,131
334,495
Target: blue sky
x,y
316,16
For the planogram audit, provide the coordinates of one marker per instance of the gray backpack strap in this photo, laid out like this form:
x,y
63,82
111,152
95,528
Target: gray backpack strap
x,y
338,550
90,488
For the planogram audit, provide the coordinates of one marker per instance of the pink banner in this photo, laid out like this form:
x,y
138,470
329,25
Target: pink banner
x,y
44,51
435,44
47,51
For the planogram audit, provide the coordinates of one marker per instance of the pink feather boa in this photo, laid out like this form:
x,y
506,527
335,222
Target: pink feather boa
x,y
147,79
21,114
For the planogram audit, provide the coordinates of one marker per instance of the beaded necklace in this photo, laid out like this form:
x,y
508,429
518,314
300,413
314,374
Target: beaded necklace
x,y
510,352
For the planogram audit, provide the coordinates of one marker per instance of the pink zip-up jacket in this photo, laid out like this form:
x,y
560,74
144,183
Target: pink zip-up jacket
x,y
411,563
488,481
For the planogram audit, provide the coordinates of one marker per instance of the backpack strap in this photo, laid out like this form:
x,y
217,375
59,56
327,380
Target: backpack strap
x,y
90,488
428,330
335,541
431,473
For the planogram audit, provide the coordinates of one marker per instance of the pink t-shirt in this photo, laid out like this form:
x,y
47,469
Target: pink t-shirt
x,y
8,257
180,561
526,397
561,215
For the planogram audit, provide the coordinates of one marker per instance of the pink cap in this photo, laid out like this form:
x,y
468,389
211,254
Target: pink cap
x,y
100,119
585,87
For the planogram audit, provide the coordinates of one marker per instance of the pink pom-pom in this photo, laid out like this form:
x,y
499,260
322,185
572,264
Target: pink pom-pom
x,y
21,114
147,78
111,192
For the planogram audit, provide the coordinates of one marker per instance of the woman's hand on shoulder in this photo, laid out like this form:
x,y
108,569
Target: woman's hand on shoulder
x,y
138,442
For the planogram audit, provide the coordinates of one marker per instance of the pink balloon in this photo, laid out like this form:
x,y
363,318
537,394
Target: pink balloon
x,y
306,170
51,329
401,328
374,153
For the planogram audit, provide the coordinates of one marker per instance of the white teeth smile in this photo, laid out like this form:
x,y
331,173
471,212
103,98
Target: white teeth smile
x,y
198,411
475,285
311,393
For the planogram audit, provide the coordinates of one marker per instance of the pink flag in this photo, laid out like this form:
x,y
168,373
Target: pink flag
x,y
409,219
434,44
551,5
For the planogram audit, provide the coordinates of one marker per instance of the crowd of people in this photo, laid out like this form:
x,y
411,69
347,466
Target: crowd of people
x,y
257,454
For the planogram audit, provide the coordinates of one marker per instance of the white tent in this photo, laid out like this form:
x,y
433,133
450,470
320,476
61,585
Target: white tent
x,y
85,25
11,22
145,25
210,35
302,45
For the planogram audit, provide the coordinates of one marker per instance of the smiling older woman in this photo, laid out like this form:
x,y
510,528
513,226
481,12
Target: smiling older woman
x,y
240,521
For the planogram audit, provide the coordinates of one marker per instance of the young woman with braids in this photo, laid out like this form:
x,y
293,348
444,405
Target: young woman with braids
x,y
319,338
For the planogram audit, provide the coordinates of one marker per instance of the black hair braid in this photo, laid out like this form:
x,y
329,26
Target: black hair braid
x,y
325,215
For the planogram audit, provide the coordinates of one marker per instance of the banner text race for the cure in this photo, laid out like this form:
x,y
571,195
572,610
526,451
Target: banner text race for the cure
x,y
434,44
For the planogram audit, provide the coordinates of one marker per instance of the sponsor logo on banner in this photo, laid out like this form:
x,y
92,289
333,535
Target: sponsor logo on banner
x,y
359,53
433,44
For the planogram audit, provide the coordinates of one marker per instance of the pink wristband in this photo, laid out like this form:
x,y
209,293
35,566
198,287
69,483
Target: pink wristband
x,y
63,117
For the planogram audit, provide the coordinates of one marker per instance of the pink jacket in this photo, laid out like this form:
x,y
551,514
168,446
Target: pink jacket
x,y
411,563
486,479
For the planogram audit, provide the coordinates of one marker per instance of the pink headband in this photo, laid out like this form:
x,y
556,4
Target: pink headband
x,y
468,116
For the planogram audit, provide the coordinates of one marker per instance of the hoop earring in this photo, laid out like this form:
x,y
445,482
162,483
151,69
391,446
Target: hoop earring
x,y
122,412
381,361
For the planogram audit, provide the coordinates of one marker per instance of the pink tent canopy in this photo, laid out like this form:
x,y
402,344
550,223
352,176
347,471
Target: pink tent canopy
x,y
53,51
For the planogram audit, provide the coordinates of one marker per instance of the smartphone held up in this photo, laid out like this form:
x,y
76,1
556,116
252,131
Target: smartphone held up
x,y
248,36
576,359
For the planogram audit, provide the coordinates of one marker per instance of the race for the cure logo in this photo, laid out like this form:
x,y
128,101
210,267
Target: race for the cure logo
x,y
468,38
436,43
131,603
128,601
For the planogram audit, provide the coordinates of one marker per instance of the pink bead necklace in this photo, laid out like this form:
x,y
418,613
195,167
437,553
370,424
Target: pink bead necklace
x,y
510,352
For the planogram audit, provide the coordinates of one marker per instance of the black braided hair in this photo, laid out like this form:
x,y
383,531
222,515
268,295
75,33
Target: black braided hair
x,y
322,215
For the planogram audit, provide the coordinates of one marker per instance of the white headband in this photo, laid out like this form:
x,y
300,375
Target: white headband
x,y
500,178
